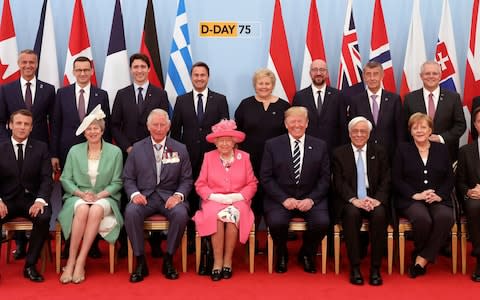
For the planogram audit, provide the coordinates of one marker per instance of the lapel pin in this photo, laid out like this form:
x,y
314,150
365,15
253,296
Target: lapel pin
x,y
274,113
41,86
310,148
329,93
386,99
373,157
96,95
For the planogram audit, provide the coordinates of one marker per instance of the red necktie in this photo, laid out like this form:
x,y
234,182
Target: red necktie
x,y
431,106
81,105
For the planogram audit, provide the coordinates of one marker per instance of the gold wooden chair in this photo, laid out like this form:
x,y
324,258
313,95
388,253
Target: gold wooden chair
x,y
296,224
158,222
337,229
251,250
463,243
405,225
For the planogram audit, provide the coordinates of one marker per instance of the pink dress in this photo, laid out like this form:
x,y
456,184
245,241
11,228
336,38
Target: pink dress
x,y
214,178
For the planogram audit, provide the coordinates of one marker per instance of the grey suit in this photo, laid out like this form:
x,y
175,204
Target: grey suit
x,y
139,175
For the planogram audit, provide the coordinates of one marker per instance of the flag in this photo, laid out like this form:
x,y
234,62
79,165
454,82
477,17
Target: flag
x,y
472,73
8,47
279,58
149,47
116,73
78,45
314,48
350,72
445,54
415,53
180,62
45,48
380,48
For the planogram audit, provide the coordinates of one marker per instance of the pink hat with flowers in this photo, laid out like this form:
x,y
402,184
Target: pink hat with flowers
x,y
226,128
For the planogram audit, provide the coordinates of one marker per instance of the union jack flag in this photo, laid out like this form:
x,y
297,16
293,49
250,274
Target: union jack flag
x,y
350,72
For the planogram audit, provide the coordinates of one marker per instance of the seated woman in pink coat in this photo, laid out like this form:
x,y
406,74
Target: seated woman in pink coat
x,y
226,186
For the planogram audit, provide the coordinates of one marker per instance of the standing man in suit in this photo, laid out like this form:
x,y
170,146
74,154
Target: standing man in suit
x,y
361,176
382,108
26,185
193,117
468,189
295,174
157,177
131,107
38,97
443,106
72,104
327,116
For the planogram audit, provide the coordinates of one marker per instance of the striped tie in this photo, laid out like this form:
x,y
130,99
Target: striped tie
x,y
296,161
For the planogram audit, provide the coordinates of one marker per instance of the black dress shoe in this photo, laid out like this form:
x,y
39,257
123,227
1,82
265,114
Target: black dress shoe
x,y
356,277
416,270
216,275
308,263
226,272
168,269
281,264
94,252
140,272
19,254
32,274
375,277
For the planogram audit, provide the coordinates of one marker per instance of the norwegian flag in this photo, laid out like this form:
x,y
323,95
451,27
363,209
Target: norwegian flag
x,y
415,54
350,72
279,58
380,48
314,48
8,47
78,45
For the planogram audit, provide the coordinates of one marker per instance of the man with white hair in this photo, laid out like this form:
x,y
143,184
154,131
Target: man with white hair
x,y
361,177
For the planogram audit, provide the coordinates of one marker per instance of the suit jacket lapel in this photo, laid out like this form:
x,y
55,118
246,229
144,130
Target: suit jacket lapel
x,y
440,106
420,102
371,162
19,95
27,156
476,159
384,102
150,156
92,99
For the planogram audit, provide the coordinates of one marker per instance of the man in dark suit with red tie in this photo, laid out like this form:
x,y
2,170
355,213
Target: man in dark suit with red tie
x,y
327,112
382,108
38,97
26,185
361,177
129,118
295,174
193,117
443,106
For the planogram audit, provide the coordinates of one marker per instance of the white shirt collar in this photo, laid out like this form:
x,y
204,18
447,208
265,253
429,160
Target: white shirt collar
x,y
14,142
370,93
204,93
315,89
161,143
86,88
355,149
435,92
144,86
292,139
23,82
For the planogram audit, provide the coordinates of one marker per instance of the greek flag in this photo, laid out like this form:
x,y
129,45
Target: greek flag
x,y
180,62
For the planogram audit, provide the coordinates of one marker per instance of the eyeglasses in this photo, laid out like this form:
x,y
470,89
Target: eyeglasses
x,y
318,70
82,70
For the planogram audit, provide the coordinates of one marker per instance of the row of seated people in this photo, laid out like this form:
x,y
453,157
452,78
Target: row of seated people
x,y
295,174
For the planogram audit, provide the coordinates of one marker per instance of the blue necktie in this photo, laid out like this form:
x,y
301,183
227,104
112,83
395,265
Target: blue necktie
x,y
200,108
296,162
361,185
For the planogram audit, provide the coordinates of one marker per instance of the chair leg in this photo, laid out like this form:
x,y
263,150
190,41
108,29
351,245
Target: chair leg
x,y
130,257
390,248
58,247
401,249
111,252
463,246
251,251
324,255
184,252
454,248
336,248
198,251
270,252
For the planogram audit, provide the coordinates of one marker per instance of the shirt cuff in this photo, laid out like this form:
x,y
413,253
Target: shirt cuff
x,y
180,194
41,201
133,195
441,139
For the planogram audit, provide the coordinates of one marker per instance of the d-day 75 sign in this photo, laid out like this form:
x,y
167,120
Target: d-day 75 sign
x,y
209,29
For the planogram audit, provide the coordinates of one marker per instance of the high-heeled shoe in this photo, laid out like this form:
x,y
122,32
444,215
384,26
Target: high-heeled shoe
x,y
78,278
66,276
227,272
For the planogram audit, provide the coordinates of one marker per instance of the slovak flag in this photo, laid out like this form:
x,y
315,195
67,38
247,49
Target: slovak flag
x,y
445,54
8,47
414,55
314,48
78,45
350,72
279,58
380,48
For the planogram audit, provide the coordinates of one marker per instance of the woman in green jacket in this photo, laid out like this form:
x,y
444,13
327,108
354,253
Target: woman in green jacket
x,y
92,182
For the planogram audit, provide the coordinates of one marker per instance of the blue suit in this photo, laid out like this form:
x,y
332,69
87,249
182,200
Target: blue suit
x,y
11,100
277,178
140,175
66,119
